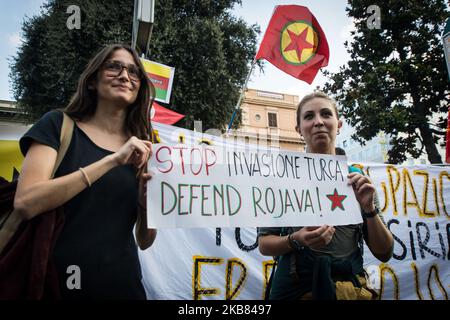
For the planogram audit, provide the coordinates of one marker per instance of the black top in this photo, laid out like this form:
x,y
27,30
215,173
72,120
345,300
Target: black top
x,y
98,229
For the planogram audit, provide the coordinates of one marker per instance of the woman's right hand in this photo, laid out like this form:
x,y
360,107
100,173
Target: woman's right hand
x,y
314,237
135,152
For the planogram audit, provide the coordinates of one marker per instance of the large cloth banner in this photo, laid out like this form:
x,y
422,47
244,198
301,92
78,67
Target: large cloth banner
x,y
207,186
415,201
225,263
207,263
10,156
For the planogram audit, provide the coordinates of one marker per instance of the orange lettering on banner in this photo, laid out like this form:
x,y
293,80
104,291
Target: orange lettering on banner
x,y
267,271
384,267
425,211
441,190
410,199
156,137
386,197
205,141
423,201
416,280
197,290
231,293
435,193
406,203
394,188
434,268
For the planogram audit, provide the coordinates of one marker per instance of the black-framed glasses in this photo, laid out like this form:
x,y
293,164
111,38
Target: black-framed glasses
x,y
114,68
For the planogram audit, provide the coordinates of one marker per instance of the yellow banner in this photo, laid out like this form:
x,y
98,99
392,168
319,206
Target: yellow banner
x,y
10,158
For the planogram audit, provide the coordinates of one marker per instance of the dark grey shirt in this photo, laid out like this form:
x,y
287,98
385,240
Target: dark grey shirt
x,y
343,243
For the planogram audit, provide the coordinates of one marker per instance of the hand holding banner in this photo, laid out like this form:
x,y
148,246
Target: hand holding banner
x,y
205,186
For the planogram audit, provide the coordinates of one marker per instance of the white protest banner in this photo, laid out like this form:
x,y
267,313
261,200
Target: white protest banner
x,y
206,186
205,264
225,263
415,201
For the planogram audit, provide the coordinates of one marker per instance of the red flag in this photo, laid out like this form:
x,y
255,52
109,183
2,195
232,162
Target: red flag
x,y
295,43
164,115
447,143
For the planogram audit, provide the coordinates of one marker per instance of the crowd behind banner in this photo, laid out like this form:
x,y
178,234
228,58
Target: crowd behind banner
x,y
210,263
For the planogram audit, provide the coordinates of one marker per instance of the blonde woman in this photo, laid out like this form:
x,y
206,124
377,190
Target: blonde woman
x,y
325,262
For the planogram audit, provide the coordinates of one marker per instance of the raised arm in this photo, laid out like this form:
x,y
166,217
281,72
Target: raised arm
x,y
37,193
379,239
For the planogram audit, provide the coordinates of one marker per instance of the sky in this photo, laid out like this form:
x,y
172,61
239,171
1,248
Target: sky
x,y
329,13
12,15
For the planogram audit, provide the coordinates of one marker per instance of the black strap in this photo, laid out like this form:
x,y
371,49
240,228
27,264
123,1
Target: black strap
x,y
284,231
269,283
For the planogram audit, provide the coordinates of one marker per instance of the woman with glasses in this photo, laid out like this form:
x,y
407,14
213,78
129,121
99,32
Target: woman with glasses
x,y
101,180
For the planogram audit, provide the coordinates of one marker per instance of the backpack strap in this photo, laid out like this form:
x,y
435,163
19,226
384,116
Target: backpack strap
x,y
284,231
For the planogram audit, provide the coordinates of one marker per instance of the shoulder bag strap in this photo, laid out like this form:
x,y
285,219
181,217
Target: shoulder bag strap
x,y
65,138
284,231
14,219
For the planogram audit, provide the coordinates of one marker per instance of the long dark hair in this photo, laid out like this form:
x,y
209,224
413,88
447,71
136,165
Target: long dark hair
x,y
83,103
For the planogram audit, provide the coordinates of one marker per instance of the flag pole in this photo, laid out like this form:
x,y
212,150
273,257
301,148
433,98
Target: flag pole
x,y
447,142
244,87
238,104
446,43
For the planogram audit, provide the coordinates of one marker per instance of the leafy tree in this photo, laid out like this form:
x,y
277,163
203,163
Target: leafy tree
x,y
209,48
397,78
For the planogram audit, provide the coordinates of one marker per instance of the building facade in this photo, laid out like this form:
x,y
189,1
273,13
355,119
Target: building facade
x,y
269,119
374,150
10,114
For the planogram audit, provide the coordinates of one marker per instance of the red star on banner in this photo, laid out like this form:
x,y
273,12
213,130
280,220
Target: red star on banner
x,y
298,42
336,200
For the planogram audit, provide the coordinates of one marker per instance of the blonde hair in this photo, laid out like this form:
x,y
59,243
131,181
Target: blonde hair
x,y
309,97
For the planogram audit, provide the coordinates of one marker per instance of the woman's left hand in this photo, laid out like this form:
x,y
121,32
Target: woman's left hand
x,y
364,191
